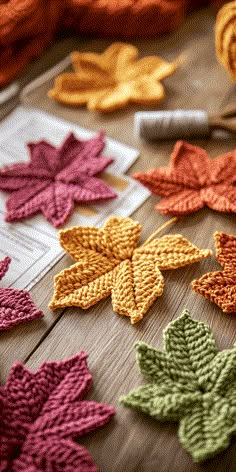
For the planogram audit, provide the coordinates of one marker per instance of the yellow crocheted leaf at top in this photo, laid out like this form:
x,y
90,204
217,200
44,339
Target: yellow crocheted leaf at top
x,y
111,80
109,263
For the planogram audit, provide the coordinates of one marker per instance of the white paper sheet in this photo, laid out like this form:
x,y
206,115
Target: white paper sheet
x,y
32,244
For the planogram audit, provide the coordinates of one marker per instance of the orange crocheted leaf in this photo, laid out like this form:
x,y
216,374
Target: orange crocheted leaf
x,y
111,80
192,181
173,251
220,287
111,264
226,250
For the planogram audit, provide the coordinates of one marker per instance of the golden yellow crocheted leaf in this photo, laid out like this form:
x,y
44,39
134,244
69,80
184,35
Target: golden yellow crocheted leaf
x,y
137,284
81,285
111,263
111,80
173,251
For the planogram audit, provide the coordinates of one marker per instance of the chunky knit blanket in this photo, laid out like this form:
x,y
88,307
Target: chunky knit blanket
x,y
28,26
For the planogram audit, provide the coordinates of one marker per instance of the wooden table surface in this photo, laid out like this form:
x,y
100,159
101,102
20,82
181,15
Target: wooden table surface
x,y
133,442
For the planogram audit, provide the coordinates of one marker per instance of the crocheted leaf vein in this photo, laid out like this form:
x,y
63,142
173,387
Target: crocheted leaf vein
x,y
43,411
192,181
220,287
192,383
16,306
55,178
108,81
110,263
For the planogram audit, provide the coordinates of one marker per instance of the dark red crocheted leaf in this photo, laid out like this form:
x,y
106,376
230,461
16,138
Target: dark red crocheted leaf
x,y
192,181
62,456
43,412
16,306
55,178
4,264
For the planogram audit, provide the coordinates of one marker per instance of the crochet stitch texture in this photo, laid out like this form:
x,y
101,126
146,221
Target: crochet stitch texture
x,y
55,178
220,287
109,262
42,412
111,80
192,181
16,306
192,383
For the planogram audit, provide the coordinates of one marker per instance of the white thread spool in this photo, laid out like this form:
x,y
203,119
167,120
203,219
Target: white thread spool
x,y
171,124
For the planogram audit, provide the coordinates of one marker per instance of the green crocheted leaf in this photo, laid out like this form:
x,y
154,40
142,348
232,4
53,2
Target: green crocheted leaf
x,y
222,373
191,347
160,402
207,429
192,383
158,366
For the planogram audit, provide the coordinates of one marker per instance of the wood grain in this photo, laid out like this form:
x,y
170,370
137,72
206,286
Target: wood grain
x,y
133,442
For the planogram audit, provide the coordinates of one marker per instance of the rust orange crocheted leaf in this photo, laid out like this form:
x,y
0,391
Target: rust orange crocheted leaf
x,y
192,181
111,80
220,287
108,262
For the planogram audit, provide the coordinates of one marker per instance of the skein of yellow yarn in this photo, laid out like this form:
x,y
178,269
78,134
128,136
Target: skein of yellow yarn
x,y
225,36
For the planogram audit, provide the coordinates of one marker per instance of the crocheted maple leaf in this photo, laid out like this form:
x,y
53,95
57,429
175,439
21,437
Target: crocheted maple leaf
x,y
4,264
108,81
42,412
191,383
55,178
16,306
192,181
220,287
109,262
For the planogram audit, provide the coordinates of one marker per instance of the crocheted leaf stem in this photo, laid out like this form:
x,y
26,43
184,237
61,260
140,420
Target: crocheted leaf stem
x,y
192,181
16,306
110,263
191,383
42,412
108,81
220,287
55,178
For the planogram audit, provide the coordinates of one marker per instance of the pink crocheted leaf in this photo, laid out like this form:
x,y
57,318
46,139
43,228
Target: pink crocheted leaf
x,y
55,178
4,264
38,433
16,306
192,180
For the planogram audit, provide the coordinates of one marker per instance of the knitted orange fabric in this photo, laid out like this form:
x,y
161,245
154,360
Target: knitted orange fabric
x,y
220,287
225,31
109,262
108,81
28,26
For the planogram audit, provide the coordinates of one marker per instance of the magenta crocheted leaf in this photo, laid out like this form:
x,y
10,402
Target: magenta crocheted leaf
x,y
16,306
55,178
42,412
4,266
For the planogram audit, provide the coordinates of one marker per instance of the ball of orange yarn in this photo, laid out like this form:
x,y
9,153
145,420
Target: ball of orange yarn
x,y
226,37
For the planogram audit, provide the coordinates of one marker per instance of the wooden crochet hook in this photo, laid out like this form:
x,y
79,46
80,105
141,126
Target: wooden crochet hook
x,y
175,124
